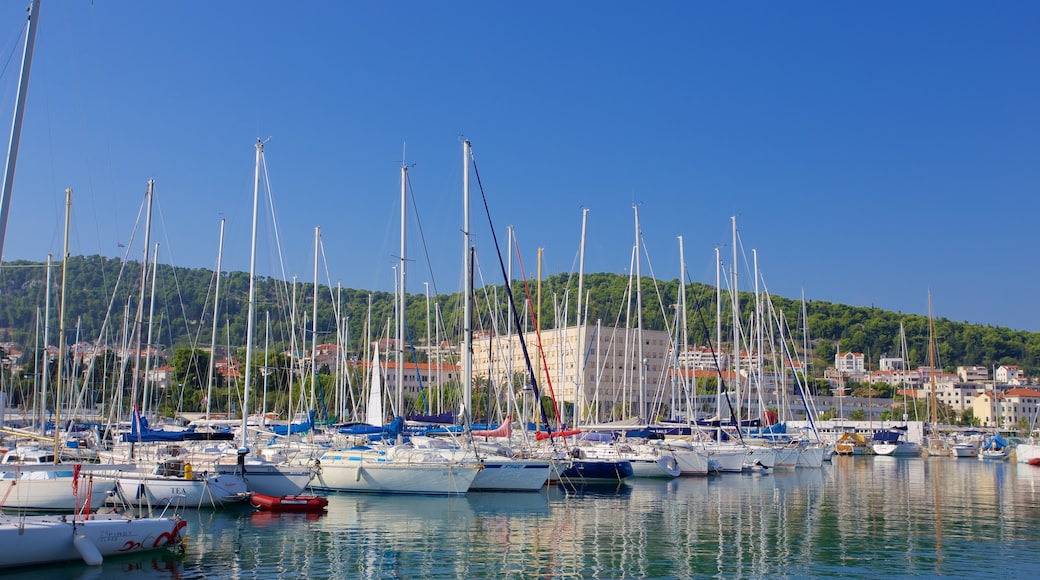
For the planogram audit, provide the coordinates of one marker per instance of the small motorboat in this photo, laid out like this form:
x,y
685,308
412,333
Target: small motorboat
x,y
289,503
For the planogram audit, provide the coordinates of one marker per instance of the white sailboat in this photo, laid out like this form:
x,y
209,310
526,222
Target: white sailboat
x,y
31,481
164,475
398,468
262,476
893,442
77,534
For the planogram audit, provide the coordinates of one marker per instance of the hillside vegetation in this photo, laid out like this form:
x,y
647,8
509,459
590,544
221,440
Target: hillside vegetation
x,y
105,289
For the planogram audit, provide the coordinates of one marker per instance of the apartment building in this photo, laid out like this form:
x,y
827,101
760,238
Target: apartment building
x,y
608,356
1006,410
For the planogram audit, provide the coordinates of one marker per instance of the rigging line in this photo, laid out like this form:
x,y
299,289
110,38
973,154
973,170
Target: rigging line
x,y
422,234
537,330
512,301
11,49
176,281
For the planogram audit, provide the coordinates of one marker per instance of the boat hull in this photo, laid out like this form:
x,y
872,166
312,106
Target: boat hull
x,y
34,540
289,503
52,494
205,491
1027,453
691,461
511,475
271,479
585,471
349,472
963,450
898,449
664,466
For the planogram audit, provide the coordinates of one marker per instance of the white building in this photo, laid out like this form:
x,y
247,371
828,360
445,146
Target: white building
x,y
891,363
1008,374
850,363
973,374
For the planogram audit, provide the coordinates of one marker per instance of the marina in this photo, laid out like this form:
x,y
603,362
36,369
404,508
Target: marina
x,y
857,517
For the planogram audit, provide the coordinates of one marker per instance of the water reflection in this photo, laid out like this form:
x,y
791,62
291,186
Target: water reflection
x,y
857,517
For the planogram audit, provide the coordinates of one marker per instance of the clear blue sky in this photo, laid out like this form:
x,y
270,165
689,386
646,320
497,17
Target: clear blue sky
x,y
872,152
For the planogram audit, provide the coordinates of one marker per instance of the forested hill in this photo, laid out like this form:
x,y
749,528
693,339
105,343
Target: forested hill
x,y
101,289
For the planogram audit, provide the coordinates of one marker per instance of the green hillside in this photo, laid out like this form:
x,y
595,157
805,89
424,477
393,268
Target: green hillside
x,y
101,289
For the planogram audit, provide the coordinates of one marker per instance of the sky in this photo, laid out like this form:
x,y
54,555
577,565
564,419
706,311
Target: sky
x,y
871,153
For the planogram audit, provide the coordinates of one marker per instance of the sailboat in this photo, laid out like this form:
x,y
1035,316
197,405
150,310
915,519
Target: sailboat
x,y
1028,451
164,474
400,467
893,442
938,445
262,476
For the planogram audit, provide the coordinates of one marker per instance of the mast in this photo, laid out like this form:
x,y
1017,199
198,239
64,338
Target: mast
x,y
931,364
145,398
314,321
639,322
680,323
467,272
213,336
735,298
252,300
32,23
61,328
399,358
267,370
718,338
579,359
44,362
429,345
139,322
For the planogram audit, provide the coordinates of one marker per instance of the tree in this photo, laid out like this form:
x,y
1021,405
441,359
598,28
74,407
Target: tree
x,y
191,367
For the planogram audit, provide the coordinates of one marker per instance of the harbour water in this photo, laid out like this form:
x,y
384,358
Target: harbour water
x,y
857,517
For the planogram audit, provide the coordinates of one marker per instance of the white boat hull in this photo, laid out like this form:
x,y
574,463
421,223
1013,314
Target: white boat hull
x,y
52,494
811,456
665,466
271,479
512,475
1026,452
35,540
353,472
206,491
727,459
899,449
963,450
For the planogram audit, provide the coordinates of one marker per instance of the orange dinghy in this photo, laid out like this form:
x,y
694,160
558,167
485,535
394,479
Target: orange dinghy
x,y
289,503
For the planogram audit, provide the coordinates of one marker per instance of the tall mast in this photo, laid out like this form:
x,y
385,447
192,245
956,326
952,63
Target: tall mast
x,y
213,336
45,361
639,321
146,397
399,359
680,322
718,337
61,328
467,272
931,362
139,321
33,21
314,321
736,322
579,358
252,300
